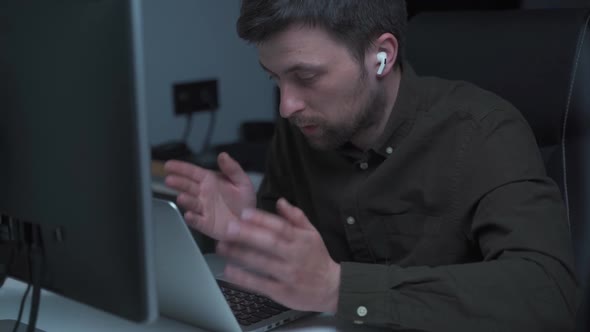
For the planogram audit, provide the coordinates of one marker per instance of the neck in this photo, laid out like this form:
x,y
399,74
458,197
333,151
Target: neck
x,y
368,137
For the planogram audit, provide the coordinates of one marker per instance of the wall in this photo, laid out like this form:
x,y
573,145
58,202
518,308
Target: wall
x,y
195,40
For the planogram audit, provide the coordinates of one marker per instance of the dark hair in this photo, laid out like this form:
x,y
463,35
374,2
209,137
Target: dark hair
x,y
355,23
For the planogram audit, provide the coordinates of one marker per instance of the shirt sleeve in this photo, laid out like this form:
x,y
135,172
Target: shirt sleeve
x,y
525,281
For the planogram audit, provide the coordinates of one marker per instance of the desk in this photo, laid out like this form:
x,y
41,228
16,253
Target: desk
x,y
59,314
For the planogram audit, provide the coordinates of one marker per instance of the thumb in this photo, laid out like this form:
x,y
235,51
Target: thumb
x,y
292,213
232,170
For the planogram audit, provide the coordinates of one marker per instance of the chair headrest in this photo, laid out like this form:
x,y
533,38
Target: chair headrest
x,y
536,59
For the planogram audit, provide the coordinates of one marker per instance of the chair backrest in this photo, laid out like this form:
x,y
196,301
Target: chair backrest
x,y
539,60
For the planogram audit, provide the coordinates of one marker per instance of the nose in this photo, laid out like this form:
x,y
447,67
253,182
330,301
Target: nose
x,y
291,102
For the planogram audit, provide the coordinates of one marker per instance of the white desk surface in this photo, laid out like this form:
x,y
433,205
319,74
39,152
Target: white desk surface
x,y
59,314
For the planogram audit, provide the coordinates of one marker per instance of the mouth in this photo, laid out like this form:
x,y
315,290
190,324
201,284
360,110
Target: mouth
x,y
309,129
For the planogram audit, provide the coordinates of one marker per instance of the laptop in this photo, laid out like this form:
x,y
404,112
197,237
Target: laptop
x,y
189,291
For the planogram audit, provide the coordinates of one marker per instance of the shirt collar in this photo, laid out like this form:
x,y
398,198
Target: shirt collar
x,y
400,122
403,115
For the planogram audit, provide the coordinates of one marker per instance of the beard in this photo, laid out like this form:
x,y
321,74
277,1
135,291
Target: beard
x,y
330,136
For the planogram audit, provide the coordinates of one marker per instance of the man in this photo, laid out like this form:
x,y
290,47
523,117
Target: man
x,y
389,199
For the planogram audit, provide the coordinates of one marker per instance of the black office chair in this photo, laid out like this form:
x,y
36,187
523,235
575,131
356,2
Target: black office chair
x,y
540,61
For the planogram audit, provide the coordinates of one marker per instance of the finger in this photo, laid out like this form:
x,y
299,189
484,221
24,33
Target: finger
x,y
197,221
182,184
189,202
254,282
185,169
202,224
292,213
232,169
263,263
242,233
191,218
268,221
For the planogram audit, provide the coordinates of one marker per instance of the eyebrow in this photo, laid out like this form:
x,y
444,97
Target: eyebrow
x,y
294,68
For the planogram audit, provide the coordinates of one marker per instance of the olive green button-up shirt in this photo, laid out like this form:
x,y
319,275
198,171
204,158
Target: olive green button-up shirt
x,y
449,223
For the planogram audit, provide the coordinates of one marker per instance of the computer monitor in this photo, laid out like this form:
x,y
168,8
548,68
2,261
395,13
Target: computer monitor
x,y
74,154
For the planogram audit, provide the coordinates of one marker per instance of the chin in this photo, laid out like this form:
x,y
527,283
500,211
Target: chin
x,y
323,144
327,138
320,147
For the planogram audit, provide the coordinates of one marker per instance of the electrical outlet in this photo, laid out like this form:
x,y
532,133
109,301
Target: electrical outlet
x,y
196,96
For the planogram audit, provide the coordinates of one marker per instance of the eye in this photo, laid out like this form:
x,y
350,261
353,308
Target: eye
x,y
306,78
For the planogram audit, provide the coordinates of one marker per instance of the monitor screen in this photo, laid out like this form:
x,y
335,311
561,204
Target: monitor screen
x,y
74,154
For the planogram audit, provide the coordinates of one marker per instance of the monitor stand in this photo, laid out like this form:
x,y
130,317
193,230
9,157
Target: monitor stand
x,y
8,325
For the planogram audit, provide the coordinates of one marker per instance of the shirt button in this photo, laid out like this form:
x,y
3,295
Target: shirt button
x,y
350,220
389,150
364,166
361,311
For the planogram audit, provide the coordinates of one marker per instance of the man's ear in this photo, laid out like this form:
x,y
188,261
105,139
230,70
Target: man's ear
x,y
384,55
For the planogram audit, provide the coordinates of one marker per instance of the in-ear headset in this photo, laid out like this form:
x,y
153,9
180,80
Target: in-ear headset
x,y
382,57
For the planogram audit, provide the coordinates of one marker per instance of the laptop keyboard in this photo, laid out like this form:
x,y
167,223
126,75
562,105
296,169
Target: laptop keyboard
x,y
249,308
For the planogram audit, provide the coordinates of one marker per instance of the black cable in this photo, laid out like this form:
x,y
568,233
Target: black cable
x,y
33,252
36,262
36,300
19,237
4,228
207,141
23,300
187,128
21,309
6,248
9,250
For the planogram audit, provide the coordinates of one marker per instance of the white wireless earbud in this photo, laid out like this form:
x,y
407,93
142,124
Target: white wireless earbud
x,y
382,57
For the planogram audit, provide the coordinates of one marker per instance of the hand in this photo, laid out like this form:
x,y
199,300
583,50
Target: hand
x,y
211,199
291,263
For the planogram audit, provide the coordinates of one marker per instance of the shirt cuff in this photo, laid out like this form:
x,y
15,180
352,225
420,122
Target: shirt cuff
x,y
364,296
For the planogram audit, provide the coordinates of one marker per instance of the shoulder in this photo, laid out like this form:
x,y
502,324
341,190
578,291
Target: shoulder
x,y
476,118
466,100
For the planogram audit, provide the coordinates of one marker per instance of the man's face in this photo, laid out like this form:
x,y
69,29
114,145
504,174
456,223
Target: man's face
x,y
325,92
